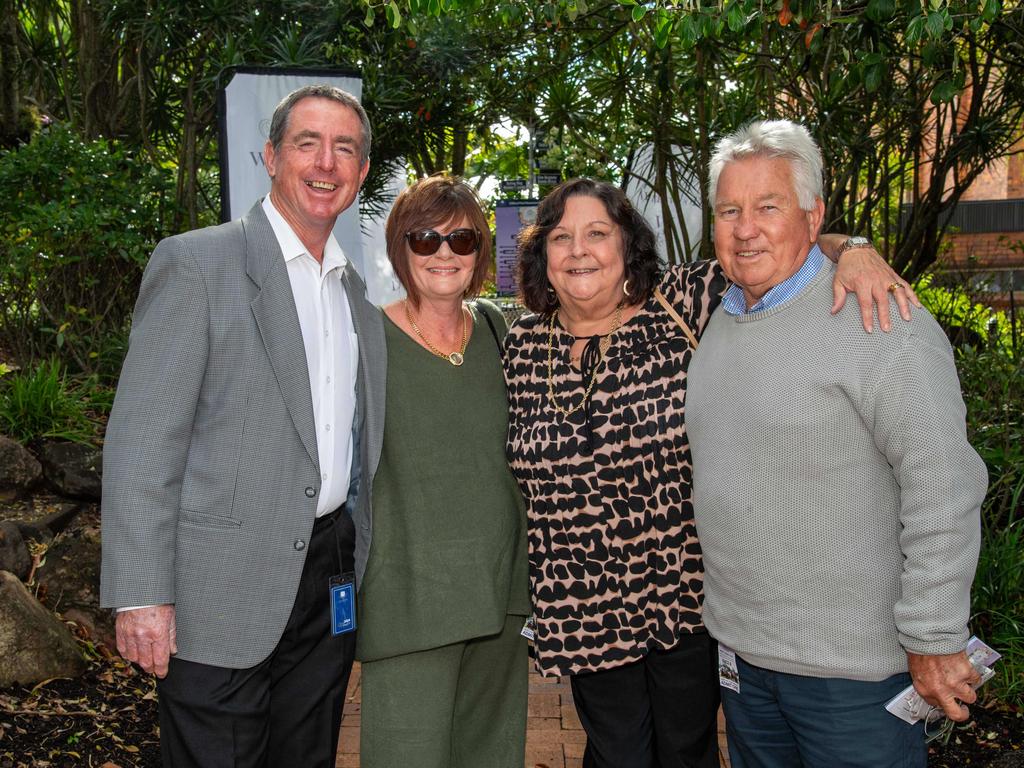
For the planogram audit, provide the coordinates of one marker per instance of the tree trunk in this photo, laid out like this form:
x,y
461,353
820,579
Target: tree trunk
x,y
10,64
97,71
460,138
707,248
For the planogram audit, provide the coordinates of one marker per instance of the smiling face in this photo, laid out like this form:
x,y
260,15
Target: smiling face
x,y
443,276
317,170
762,236
586,258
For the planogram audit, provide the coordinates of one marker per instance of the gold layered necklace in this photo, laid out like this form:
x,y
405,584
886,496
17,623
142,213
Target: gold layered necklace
x,y
603,345
455,358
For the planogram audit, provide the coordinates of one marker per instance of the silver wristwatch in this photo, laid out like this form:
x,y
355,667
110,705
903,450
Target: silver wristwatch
x,y
853,242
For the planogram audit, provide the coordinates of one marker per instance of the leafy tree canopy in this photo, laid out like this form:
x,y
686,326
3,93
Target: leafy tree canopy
x,y
910,99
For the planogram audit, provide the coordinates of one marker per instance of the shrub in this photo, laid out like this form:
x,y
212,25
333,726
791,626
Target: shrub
x,y
998,613
79,220
991,373
991,380
966,320
44,402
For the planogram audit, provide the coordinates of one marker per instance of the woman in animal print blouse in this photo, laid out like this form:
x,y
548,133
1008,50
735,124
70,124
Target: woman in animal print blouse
x,y
597,440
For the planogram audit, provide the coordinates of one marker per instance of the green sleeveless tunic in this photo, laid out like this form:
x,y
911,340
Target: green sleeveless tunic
x,y
448,558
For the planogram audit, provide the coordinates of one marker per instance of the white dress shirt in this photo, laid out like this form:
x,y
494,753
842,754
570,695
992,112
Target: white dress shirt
x,y
332,353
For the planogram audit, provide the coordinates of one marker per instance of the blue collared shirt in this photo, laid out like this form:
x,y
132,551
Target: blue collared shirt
x,y
735,303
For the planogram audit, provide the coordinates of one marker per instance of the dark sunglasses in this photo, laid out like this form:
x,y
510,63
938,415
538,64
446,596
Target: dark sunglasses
x,y
426,242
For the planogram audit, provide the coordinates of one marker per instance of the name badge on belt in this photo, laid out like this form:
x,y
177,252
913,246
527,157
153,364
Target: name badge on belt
x,y
343,603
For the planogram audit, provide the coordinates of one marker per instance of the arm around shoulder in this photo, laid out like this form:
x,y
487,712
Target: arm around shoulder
x,y
863,271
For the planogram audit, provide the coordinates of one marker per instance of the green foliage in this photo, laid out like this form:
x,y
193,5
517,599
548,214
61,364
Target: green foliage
x,y
871,78
934,20
876,81
79,221
966,321
991,372
991,380
44,402
998,606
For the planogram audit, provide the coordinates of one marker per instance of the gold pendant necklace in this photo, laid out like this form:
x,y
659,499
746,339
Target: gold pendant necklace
x,y
455,358
603,346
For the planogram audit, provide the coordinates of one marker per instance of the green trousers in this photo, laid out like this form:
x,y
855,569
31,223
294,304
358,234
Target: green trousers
x,y
458,706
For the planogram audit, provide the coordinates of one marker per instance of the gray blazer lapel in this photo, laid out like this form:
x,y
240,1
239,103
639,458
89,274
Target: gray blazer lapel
x,y
274,310
372,362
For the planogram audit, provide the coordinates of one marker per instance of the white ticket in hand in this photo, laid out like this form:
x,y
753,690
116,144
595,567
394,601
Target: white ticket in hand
x,y
909,706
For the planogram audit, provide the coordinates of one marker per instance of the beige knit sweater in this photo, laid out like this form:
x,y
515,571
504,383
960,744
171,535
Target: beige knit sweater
x,y
835,493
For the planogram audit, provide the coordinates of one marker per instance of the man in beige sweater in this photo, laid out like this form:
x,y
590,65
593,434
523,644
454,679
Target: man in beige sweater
x,y
835,493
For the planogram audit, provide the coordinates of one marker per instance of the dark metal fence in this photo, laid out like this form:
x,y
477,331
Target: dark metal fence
x,y
977,216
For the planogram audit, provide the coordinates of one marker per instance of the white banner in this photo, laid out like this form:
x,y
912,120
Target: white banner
x,y
642,193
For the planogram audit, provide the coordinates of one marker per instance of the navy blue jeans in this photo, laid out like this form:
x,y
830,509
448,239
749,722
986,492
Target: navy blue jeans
x,y
779,720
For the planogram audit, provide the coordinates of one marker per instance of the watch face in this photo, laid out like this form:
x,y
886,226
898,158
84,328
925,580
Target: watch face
x,y
857,242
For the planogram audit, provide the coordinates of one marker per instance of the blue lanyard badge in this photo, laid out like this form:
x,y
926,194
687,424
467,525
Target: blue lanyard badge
x,y
343,604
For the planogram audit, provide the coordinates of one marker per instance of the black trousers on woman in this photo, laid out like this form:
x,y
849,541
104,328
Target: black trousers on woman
x,y
659,712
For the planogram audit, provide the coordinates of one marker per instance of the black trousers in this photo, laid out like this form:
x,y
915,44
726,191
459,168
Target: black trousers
x,y
285,711
659,712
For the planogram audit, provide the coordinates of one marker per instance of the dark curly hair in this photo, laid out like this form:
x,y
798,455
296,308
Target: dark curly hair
x,y
643,268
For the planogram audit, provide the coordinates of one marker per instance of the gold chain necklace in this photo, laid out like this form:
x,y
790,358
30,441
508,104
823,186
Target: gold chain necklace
x,y
455,358
603,345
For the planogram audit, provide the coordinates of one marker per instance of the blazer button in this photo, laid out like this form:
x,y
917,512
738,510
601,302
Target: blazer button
x,y
310,492
299,545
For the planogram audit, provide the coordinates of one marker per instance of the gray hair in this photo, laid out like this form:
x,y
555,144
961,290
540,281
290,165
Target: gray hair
x,y
773,138
283,111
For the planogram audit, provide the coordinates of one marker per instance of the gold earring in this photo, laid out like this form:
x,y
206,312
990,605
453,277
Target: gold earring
x,y
625,286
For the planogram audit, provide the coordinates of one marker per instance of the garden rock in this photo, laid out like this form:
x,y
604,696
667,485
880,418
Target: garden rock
x,y
19,469
14,556
72,469
34,644
69,579
45,528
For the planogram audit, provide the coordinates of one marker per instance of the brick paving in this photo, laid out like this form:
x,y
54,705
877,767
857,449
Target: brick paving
x,y
554,736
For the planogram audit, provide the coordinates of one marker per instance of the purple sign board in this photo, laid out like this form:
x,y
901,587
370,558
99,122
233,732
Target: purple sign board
x,y
510,216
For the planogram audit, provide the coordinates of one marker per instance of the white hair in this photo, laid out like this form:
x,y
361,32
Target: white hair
x,y
773,138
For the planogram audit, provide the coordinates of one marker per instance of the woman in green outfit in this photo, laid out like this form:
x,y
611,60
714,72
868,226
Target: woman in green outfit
x,y
445,593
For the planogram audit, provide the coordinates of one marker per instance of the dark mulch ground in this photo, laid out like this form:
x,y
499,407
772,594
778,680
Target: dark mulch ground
x,y
107,718
992,738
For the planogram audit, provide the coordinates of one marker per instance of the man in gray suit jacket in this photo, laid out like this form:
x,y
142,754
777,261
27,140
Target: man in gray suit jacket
x,y
240,456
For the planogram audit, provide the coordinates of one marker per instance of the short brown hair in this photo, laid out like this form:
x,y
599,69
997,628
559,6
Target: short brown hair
x,y
432,202
640,251
283,112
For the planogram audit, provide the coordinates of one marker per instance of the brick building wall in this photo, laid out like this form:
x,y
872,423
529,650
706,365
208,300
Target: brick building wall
x,y
985,249
994,260
1015,173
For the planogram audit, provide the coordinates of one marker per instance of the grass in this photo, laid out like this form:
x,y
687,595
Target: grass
x,y
45,403
998,607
